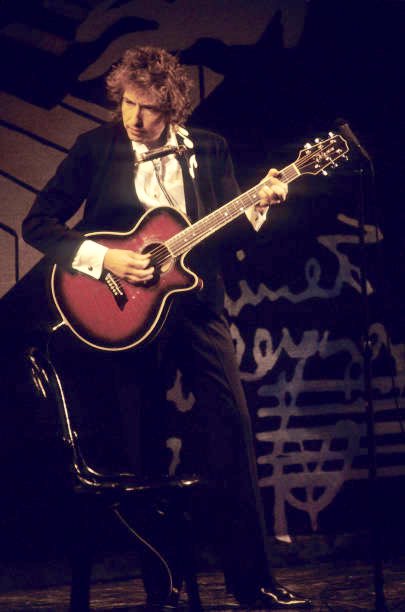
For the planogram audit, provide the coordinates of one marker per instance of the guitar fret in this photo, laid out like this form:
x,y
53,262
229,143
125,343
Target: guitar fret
x,y
289,173
212,222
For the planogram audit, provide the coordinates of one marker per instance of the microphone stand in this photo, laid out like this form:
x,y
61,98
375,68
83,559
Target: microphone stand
x,y
380,603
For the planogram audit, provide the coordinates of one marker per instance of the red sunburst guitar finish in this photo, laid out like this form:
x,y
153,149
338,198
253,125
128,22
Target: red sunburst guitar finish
x,y
113,315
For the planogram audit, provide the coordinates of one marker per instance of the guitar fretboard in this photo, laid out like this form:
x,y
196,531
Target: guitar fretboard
x,y
191,236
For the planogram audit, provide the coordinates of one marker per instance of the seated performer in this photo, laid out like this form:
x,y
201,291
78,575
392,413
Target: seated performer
x,y
105,168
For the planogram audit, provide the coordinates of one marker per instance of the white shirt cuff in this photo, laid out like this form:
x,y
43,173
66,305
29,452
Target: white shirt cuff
x,y
256,217
89,258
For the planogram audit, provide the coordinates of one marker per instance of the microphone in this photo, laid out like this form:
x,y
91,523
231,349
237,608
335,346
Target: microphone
x,y
346,131
160,152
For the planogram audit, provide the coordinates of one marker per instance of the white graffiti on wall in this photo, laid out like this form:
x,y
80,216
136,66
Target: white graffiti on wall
x,y
308,465
348,273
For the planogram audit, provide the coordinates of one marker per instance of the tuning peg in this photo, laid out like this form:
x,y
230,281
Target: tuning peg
x,y
331,134
317,140
307,145
324,173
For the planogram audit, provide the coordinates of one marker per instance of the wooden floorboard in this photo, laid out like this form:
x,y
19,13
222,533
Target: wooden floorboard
x,y
332,586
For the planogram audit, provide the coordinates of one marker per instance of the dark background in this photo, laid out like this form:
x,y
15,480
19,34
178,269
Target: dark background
x,y
347,63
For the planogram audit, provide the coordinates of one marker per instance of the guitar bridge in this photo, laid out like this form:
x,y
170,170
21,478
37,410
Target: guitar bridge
x,y
114,285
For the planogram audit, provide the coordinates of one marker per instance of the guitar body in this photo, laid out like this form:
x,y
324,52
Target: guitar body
x,y
112,314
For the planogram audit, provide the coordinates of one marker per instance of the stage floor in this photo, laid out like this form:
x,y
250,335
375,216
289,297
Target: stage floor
x,y
342,586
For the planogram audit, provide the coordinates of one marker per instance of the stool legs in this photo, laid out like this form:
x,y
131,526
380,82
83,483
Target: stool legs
x,y
83,519
166,550
80,586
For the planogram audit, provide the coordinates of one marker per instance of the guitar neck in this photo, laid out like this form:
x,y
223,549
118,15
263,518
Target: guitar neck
x,y
191,236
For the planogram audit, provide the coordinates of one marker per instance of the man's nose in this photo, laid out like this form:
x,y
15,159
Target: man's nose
x,y
137,115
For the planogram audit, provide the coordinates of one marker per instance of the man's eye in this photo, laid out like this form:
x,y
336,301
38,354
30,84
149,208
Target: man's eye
x,y
144,107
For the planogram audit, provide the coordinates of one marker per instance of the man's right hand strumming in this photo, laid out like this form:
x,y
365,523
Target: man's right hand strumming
x,y
128,265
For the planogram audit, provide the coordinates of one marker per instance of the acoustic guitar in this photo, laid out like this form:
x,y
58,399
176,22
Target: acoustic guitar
x,y
111,314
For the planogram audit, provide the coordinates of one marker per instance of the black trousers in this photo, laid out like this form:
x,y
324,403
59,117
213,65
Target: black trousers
x,y
198,342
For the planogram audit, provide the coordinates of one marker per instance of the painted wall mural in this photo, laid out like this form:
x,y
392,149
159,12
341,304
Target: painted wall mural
x,y
269,74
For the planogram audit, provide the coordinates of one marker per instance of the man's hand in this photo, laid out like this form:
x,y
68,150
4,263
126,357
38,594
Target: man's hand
x,y
274,192
128,265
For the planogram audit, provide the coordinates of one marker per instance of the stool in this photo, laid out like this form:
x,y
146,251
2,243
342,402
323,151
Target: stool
x,y
166,499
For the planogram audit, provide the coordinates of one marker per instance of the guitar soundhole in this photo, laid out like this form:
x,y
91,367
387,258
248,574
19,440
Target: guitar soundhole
x,y
161,259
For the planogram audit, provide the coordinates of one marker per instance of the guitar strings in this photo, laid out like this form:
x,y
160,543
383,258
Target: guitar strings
x,y
162,253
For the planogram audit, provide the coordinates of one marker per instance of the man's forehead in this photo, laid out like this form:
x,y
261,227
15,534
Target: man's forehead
x,y
135,93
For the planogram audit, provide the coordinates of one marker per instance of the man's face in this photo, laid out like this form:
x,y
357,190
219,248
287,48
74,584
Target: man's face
x,y
143,120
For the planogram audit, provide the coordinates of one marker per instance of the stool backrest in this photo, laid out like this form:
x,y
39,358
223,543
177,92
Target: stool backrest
x,y
49,386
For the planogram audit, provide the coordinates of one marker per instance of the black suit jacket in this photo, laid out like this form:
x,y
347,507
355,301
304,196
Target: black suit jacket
x,y
99,170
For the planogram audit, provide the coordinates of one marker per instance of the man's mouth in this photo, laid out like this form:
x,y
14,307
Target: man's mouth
x,y
136,130
136,133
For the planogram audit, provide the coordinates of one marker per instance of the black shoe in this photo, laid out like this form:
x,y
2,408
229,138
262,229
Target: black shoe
x,y
277,597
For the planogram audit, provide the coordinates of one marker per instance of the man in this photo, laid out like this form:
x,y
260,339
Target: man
x,y
152,93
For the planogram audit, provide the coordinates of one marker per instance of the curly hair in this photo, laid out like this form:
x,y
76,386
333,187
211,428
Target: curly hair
x,y
155,69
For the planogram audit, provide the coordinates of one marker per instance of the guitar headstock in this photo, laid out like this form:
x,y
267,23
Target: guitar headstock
x,y
315,158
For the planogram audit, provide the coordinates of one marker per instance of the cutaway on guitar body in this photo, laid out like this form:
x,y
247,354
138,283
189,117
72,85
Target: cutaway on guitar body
x,y
112,314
